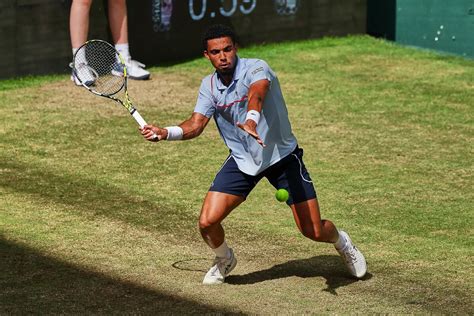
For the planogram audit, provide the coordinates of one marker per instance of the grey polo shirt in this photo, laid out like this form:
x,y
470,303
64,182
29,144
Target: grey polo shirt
x,y
228,105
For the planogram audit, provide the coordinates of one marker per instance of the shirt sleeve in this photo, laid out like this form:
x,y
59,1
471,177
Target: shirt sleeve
x,y
205,100
258,71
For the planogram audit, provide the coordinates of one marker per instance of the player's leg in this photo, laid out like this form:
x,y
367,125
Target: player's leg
x,y
292,175
308,220
216,207
229,188
118,22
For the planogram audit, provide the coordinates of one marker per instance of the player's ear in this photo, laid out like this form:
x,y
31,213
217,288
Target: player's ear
x,y
206,54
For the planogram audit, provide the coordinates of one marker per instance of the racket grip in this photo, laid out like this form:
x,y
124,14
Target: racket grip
x,y
139,118
141,121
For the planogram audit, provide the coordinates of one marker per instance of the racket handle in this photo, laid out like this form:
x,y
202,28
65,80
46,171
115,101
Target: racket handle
x,y
141,121
138,118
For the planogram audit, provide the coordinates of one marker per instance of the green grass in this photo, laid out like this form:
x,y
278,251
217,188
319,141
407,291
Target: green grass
x,y
27,81
95,220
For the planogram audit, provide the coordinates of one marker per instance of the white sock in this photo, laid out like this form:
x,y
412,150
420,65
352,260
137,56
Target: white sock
x,y
123,49
341,242
223,251
81,56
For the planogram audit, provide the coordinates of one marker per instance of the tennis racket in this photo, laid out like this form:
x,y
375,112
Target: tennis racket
x,y
101,70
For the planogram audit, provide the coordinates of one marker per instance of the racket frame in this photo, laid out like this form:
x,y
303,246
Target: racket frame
x,y
126,103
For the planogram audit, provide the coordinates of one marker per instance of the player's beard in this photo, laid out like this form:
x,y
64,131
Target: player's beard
x,y
228,72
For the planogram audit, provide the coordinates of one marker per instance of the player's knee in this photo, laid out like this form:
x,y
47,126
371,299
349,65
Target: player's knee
x,y
205,224
210,218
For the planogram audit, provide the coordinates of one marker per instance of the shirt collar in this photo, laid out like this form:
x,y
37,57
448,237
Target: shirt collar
x,y
237,73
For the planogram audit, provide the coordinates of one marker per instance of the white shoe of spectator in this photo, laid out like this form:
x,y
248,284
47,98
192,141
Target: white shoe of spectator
x,y
135,70
83,75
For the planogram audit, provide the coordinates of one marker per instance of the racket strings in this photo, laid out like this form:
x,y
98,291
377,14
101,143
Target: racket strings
x,y
98,66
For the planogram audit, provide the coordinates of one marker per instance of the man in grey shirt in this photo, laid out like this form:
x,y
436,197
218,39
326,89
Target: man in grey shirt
x,y
245,100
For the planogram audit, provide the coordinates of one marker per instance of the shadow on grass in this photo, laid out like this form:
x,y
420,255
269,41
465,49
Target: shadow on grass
x,y
327,266
31,282
89,197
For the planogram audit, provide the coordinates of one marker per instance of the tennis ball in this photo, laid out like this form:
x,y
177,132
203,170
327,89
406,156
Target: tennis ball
x,y
282,195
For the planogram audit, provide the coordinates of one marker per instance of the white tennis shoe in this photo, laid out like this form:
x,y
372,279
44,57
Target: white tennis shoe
x,y
84,73
135,70
353,258
221,268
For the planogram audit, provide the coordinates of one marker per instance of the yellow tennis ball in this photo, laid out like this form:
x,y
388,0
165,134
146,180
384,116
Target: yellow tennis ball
x,y
282,195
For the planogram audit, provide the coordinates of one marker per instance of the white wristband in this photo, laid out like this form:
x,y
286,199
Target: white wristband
x,y
174,133
253,115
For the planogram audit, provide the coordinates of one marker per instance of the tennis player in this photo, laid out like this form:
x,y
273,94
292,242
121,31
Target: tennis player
x,y
244,98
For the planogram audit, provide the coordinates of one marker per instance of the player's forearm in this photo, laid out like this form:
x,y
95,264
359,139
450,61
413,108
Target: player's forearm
x,y
188,129
194,126
255,103
191,129
257,94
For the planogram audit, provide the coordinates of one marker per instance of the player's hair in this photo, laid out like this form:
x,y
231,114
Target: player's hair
x,y
218,31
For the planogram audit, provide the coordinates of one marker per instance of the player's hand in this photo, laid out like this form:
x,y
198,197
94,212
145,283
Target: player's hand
x,y
153,133
251,128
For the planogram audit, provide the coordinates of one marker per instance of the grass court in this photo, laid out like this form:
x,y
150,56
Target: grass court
x,y
93,219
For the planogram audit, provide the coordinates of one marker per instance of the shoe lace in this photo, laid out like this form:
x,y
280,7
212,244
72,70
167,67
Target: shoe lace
x,y
219,265
215,270
215,266
350,254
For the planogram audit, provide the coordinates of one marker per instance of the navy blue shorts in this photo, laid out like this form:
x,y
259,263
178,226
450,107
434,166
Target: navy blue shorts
x,y
289,173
